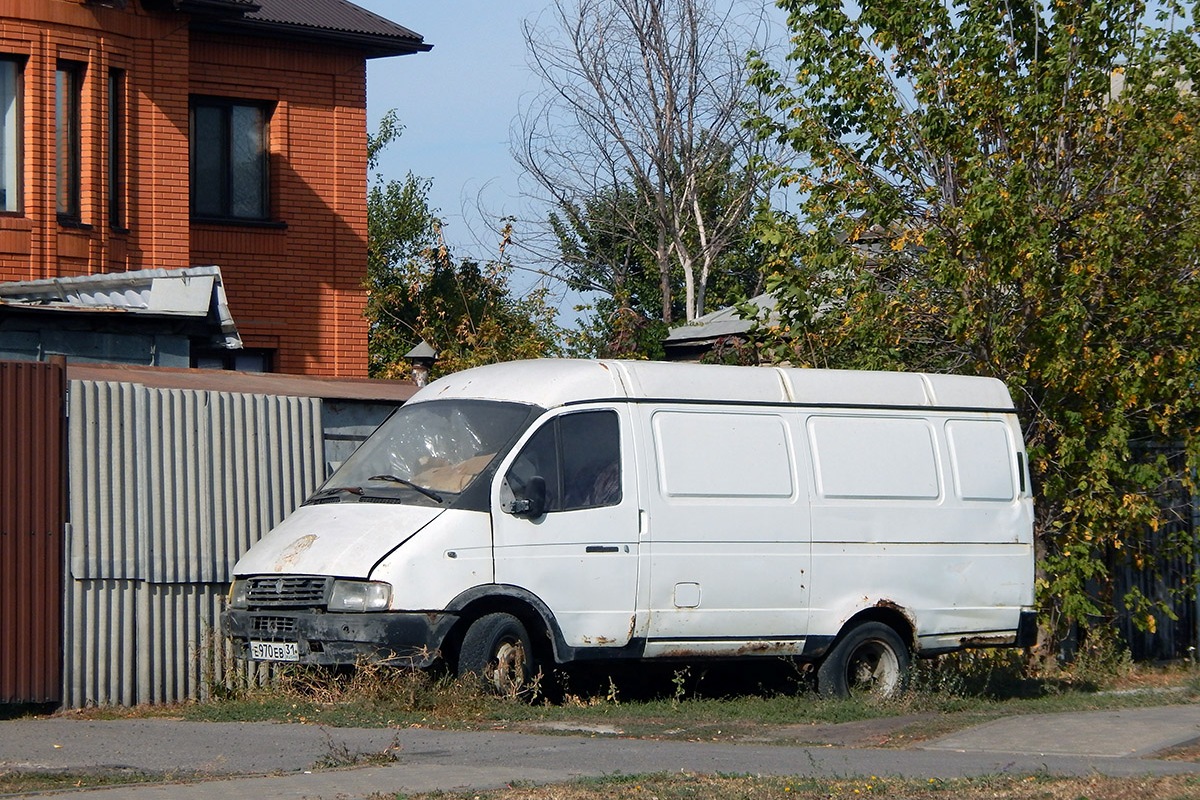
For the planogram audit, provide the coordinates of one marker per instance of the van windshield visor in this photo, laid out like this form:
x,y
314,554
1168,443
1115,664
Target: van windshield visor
x,y
432,448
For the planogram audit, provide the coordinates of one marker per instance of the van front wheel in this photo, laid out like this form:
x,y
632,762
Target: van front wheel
x,y
497,649
871,659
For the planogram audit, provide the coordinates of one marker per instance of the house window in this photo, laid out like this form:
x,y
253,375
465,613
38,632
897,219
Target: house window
x,y
116,148
10,134
68,98
229,159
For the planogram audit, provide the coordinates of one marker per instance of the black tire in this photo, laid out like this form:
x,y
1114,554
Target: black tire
x,y
870,659
497,649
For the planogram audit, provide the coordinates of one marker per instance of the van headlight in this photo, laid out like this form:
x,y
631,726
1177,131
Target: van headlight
x,y
237,593
360,596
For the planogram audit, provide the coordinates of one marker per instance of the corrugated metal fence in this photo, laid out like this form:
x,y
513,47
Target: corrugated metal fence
x,y
168,488
31,523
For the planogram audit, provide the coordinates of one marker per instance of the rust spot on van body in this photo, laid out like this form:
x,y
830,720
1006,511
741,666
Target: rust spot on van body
x,y
891,605
597,640
288,557
683,653
764,648
988,641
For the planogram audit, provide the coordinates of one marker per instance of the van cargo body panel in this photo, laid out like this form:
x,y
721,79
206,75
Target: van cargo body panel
x,y
945,588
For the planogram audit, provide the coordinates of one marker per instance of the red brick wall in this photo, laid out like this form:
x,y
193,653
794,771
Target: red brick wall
x,y
154,53
296,288
300,289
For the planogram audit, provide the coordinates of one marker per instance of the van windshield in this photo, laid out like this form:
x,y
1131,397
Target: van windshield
x,y
429,450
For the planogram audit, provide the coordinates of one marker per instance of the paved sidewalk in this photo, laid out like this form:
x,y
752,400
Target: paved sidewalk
x,y
1103,742
1131,732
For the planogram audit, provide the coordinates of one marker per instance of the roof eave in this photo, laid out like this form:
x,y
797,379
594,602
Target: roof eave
x,y
209,8
371,45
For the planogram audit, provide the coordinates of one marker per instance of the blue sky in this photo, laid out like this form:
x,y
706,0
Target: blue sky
x,y
457,103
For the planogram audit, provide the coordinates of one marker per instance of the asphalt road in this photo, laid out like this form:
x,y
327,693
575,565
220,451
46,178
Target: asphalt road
x,y
284,756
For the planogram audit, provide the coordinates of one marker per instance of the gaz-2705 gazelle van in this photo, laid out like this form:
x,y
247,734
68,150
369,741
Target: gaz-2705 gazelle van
x,y
551,511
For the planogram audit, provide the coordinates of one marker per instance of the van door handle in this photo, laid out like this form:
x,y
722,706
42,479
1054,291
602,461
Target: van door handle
x,y
602,548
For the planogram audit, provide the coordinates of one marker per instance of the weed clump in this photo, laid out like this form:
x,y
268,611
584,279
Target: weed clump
x,y
377,687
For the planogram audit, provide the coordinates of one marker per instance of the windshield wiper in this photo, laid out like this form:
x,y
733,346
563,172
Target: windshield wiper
x,y
332,491
430,493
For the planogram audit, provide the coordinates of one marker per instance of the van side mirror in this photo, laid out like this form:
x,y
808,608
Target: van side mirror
x,y
533,503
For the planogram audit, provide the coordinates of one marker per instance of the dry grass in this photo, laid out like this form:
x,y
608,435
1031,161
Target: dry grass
x,y
690,787
21,783
757,703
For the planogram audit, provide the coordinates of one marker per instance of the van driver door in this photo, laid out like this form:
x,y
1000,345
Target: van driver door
x,y
565,524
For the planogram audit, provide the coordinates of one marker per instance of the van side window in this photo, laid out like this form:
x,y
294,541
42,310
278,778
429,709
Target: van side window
x,y
591,459
538,457
579,455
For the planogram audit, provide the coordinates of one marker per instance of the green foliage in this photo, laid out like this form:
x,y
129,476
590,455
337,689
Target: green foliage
x,y
602,251
417,290
606,247
1008,189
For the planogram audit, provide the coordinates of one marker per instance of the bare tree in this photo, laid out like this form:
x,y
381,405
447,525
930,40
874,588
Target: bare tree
x,y
649,95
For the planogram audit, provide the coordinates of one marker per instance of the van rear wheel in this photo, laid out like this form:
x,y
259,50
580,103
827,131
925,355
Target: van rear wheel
x,y
870,659
497,649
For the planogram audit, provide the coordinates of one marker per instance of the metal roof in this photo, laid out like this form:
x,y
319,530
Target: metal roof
x,y
722,322
337,20
195,292
321,21
271,383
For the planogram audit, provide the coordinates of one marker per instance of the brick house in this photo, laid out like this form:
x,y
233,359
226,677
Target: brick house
x,y
165,134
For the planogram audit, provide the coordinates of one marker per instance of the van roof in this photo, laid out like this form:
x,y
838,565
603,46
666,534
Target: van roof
x,y
552,382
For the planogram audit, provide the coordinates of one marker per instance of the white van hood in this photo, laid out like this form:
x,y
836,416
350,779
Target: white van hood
x,y
344,540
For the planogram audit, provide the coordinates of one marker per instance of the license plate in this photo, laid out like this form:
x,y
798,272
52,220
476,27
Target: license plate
x,y
274,651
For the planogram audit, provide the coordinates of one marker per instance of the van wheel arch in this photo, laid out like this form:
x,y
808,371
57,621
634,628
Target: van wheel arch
x,y
884,633
530,611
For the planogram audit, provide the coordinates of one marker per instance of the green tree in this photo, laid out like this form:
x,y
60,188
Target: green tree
x,y
599,241
1009,189
602,250
417,290
400,227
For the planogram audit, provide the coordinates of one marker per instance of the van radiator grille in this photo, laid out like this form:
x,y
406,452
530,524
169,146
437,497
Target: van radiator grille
x,y
272,626
295,591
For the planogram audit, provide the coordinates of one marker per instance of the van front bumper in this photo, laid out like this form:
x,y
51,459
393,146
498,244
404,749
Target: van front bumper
x,y
408,638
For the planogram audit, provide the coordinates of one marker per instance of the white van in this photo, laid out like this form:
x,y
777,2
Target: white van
x,y
551,511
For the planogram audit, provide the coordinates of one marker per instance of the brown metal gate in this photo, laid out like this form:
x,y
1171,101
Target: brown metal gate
x,y
32,503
